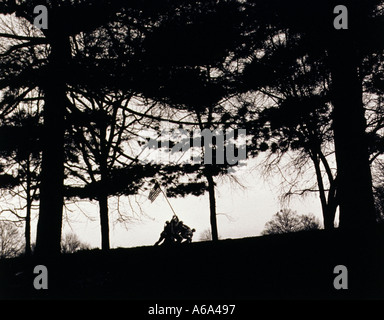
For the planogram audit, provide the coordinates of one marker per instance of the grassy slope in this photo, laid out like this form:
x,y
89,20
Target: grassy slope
x,y
287,266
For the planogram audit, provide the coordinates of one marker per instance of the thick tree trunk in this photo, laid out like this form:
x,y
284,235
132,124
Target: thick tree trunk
x,y
354,185
329,219
52,175
212,205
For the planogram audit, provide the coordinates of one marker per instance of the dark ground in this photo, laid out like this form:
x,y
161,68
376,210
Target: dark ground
x,y
291,266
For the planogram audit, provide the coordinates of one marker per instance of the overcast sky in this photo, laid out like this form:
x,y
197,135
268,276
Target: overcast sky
x,y
241,212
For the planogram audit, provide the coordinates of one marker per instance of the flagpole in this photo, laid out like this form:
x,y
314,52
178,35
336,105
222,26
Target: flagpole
x,y
166,198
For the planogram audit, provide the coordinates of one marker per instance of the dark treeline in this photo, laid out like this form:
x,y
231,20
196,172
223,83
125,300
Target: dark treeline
x,y
76,96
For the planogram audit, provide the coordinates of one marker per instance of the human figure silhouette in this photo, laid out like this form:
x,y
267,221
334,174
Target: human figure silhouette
x,y
166,234
175,231
185,232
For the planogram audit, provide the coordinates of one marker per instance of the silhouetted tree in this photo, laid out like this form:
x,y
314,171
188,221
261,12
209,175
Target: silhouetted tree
x,y
103,133
296,120
202,45
286,221
188,75
342,52
21,150
55,73
113,47
11,240
71,243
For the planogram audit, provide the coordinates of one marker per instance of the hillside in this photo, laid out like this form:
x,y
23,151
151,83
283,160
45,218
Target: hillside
x,y
290,266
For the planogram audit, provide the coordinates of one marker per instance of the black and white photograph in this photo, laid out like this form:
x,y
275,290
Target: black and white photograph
x,y
191,154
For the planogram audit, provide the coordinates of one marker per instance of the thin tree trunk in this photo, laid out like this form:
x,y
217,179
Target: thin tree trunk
x,y
354,187
329,220
103,198
104,223
320,184
48,240
212,205
28,214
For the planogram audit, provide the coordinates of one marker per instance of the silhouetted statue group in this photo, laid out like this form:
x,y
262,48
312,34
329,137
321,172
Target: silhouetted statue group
x,y
175,231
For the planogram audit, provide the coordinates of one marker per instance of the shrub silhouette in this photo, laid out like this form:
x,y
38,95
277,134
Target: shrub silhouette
x,y
286,221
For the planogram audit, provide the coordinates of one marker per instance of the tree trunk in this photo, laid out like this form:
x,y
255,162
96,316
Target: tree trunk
x,y
48,238
354,186
27,232
212,205
329,217
104,223
103,198
329,221
328,204
320,184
